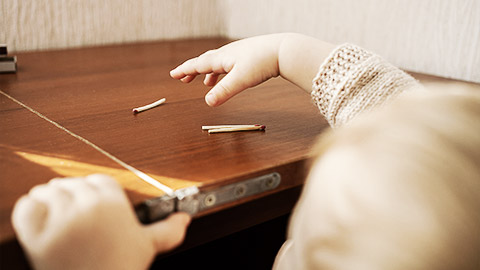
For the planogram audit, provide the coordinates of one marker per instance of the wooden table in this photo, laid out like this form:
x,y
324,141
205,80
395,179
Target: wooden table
x,y
91,92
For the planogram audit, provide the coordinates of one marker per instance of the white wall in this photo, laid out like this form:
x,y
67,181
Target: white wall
x,y
440,37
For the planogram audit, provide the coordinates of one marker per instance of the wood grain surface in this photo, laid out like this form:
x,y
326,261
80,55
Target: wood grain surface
x,y
92,91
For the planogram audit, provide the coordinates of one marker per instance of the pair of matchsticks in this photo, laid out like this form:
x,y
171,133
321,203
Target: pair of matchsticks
x,y
211,129
232,128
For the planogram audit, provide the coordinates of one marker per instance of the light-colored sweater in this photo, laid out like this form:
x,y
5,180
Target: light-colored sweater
x,y
352,80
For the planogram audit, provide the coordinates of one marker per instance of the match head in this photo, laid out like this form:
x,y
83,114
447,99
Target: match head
x,y
261,127
135,111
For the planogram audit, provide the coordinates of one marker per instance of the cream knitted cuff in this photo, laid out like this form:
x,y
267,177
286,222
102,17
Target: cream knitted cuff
x,y
353,80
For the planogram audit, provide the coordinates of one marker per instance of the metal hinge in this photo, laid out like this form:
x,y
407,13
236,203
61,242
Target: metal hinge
x,y
193,201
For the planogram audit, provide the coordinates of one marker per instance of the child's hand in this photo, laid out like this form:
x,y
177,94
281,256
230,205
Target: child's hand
x,y
251,61
88,223
247,63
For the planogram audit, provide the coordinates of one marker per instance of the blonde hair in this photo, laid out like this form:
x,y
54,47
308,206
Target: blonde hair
x,y
404,188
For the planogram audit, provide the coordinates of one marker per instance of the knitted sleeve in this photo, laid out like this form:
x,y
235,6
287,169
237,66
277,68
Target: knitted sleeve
x,y
353,80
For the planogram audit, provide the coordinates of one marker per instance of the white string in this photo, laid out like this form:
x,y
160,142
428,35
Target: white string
x,y
137,172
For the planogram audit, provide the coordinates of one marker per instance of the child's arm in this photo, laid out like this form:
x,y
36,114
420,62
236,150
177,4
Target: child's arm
x,y
88,223
251,61
347,79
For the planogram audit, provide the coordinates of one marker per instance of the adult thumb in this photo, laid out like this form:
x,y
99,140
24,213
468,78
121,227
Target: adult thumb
x,y
170,232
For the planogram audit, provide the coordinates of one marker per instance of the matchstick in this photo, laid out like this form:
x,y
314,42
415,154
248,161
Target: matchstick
x,y
219,130
229,126
149,106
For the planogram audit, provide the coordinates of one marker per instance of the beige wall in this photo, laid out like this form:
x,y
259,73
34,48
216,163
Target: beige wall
x,y
46,24
440,37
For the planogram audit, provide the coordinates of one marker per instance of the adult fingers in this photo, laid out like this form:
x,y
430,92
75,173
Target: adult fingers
x,y
169,233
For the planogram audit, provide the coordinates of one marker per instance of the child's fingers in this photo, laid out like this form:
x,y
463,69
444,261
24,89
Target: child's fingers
x,y
29,217
228,87
211,79
204,64
104,185
181,71
77,187
53,196
188,78
169,233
